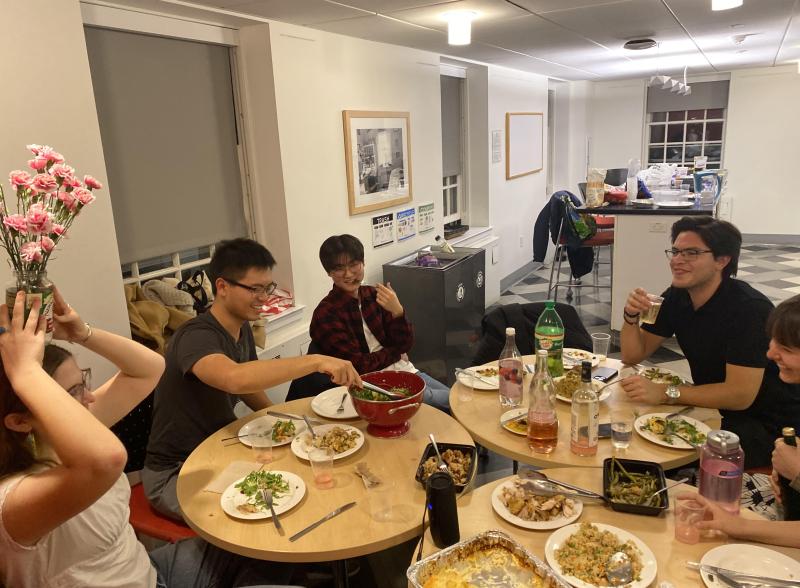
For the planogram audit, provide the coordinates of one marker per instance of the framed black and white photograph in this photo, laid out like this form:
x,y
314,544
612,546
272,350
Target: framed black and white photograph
x,y
378,158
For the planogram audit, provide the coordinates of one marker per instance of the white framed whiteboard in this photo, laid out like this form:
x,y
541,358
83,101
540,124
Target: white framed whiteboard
x,y
524,143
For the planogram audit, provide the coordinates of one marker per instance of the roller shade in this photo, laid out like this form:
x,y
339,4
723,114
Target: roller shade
x,y
167,121
704,95
451,125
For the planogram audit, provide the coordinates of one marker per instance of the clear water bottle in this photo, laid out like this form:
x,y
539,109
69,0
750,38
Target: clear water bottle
x,y
511,372
585,415
549,335
721,469
542,417
632,183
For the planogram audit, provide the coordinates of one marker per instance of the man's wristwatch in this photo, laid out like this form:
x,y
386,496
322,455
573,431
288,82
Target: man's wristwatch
x,y
673,394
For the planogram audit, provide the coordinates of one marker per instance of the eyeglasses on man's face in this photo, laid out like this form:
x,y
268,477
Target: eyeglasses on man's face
x,y
690,254
257,290
78,391
342,268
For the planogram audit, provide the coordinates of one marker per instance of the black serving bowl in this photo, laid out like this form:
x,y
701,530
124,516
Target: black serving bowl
x,y
470,450
635,466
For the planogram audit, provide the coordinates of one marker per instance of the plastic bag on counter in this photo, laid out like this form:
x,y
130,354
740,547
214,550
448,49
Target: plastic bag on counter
x,y
658,175
595,187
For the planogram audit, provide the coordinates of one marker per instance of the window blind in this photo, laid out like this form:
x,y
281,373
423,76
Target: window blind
x,y
704,95
451,125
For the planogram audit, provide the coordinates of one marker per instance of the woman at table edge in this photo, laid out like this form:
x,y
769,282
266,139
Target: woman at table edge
x,y
784,349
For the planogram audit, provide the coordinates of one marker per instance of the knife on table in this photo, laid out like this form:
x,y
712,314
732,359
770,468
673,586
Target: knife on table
x,y
734,578
327,517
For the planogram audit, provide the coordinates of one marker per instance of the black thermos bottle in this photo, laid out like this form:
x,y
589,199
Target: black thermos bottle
x,y
442,512
789,496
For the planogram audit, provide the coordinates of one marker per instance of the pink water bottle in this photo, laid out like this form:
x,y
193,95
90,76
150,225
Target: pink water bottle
x,y
721,468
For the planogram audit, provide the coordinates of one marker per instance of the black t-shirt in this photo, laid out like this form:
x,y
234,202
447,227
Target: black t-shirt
x,y
729,328
185,409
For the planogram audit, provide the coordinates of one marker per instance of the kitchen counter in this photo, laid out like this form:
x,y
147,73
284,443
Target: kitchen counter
x,y
625,209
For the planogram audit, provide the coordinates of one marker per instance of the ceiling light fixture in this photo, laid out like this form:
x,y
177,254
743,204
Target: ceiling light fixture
x,y
639,44
459,26
725,4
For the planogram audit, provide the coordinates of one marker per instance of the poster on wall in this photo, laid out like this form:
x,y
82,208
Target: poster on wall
x,y
425,217
382,230
406,224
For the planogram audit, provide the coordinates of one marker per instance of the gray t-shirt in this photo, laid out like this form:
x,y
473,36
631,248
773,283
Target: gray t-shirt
x,y
185,409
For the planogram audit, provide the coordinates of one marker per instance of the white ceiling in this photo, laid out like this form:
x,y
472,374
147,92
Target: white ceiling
x,y
568,39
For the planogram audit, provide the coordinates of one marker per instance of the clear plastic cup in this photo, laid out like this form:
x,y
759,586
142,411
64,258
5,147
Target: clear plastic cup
x,y
621,427
600,345
650,315
321,459
687,514
261,444
381,500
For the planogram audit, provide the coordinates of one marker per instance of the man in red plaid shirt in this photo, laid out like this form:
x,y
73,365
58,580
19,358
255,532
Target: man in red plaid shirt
x,y
364,325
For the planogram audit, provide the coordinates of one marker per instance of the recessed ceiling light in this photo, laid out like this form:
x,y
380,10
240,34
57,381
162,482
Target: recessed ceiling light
x,y
459,26
639,44
725,4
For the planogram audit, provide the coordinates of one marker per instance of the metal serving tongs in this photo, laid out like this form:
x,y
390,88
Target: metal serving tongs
x,y
541,484
379,390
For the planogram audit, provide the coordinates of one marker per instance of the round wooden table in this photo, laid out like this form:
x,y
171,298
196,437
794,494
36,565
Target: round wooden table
x,y
351,534
475,515
481,417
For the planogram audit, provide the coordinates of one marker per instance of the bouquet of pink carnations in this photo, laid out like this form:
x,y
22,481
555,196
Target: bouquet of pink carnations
x,y
48,200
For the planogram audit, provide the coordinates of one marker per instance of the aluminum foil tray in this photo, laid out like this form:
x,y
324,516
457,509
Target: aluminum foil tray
x,y
423,570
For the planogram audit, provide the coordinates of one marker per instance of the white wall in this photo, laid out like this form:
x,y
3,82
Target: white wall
x,y
54,105
617,122
762,151
561,145
579,129
515,204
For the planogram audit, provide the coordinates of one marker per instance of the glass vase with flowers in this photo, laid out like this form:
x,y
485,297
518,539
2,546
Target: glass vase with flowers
x,y
48,200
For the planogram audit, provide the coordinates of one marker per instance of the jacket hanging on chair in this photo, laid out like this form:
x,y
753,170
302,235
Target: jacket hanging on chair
x,y
581,259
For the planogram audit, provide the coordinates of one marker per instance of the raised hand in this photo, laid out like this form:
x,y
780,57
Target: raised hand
x,y
68,325
637,302
388,300
21,345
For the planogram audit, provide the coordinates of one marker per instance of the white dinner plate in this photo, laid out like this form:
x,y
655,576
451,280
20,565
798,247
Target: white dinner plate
x,y
596,385
232,498
481,382
510,414
750,559
674,204
504,513
301,445
677,443
264,424
643,203
559,537
572,357
326,403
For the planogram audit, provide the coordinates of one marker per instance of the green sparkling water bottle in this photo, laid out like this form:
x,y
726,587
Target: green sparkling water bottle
x,y
549,335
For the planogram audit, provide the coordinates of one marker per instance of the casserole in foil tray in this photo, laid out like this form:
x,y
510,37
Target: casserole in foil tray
x,y
488,559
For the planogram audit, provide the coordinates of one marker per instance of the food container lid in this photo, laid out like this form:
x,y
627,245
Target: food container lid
x,y
724,442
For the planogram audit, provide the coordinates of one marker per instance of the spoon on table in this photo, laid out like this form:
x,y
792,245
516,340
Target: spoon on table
x,y
442,465
618,569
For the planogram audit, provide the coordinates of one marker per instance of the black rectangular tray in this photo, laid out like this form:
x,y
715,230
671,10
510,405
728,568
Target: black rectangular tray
x,y
430,452
638,467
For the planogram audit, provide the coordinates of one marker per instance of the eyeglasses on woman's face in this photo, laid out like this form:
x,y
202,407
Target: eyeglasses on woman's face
x,y
255,290
342,268
78,391
689,254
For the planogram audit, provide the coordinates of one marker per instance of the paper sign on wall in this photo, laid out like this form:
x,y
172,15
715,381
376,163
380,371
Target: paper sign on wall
x,y
425,217
406,224
497,146
382,230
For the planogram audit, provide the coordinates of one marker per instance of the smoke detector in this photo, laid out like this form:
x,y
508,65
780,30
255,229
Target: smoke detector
x,y
639,44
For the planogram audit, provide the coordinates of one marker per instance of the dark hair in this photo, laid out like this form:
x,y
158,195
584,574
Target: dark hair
x,y
233,258
720,236
333,248
783,323
17,450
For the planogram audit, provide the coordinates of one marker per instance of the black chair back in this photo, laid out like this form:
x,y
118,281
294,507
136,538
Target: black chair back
x,y
311,384
617,176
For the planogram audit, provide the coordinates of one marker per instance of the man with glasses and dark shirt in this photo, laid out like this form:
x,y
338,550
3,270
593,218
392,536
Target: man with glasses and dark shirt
x,y
211,363
365,325
719,323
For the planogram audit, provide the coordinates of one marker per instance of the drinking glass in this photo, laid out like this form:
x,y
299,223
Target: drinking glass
x,y
321,459
687,514
381,500
650,315
600,344
262,447
621,427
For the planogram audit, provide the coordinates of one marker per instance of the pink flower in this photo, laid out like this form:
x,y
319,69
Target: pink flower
x,y
83,195
92,183
31,252
16,222
47,244
63,172
44,183
54,156
20,179
38,163
59,230
68,200
39,220
35,149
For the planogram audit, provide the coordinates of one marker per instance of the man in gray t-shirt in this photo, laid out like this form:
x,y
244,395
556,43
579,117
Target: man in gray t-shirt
x,y
211,363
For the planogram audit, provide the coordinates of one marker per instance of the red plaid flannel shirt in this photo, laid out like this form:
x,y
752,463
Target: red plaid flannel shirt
x,y
337,329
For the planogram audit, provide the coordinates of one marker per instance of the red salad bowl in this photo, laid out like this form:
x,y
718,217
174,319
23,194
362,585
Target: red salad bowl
x,y
389,418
